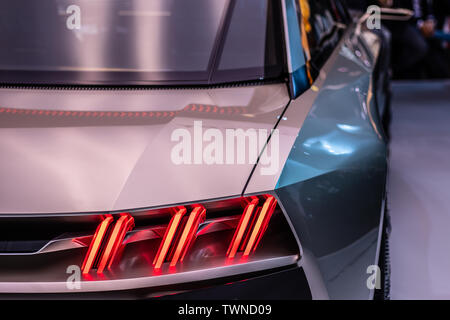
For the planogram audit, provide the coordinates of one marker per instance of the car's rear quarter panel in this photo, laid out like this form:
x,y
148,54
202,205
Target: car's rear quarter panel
x,y
332,185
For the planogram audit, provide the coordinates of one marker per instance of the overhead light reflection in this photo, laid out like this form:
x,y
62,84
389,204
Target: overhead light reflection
x,y
348,128
328,146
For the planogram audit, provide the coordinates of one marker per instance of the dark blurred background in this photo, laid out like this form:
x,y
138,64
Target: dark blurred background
x,y
420,46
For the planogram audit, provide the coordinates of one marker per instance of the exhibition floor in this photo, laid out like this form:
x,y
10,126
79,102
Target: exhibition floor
x,y
419,190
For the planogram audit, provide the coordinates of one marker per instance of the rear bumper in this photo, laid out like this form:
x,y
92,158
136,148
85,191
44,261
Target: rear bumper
x,y
285,284
290,284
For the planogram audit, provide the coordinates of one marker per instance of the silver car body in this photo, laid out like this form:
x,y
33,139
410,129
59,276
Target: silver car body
x,y
82,151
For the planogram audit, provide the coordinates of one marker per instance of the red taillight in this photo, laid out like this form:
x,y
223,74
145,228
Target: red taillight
x,y
189,237
261,224
190,230
168,237
242,227
115,242
107,243
254,231
96,242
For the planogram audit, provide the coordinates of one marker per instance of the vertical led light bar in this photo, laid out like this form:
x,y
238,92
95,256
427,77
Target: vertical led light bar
x,y
242,226
123,224
260,225
189,233
96,242
168,237
251,227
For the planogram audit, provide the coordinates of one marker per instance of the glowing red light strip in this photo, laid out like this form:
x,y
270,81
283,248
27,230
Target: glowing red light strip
x,y
250,226
115,240
189,232
168,237
242,226
260,225
94,247
88,114
265,223
129,224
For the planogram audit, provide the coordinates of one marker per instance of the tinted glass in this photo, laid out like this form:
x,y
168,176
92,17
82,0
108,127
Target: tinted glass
x,y
131,41
318,19
253,43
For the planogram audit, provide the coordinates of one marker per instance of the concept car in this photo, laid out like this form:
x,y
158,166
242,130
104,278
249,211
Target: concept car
x,y
102,194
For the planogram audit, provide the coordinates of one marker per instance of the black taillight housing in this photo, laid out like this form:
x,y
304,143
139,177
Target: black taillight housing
x,y
146,248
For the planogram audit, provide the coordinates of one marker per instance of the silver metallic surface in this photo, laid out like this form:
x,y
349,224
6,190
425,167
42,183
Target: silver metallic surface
x,y
108,164
332,184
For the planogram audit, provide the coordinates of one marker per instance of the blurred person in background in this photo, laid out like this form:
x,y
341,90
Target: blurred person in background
x,y
430,16
417,51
